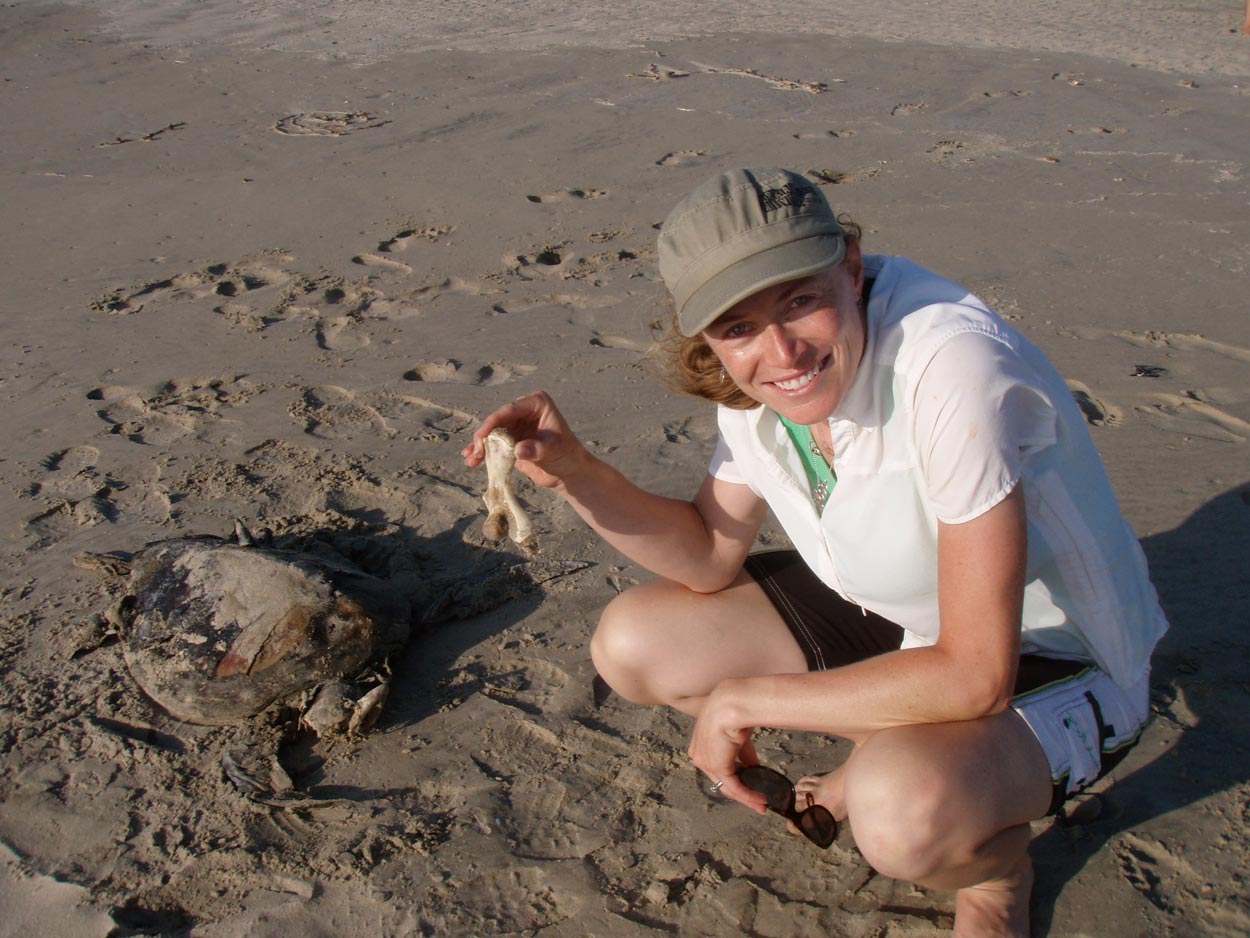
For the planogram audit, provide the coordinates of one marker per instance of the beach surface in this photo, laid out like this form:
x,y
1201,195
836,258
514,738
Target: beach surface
x,y
272,261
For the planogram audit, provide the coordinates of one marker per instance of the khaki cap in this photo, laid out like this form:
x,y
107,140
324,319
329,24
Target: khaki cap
x,y
741,232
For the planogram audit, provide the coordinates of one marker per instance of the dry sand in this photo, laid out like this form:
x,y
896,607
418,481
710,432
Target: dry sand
x,y
272,260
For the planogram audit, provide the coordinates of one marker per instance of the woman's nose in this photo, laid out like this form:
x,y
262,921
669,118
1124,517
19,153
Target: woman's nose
x,y
783,346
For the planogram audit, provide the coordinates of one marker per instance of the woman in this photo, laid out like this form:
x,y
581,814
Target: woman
x,y
964,601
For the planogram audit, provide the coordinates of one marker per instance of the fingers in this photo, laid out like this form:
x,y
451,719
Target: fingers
x,y
736,791
520,417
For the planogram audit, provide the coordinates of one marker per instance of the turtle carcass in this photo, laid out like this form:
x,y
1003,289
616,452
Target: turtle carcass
x,y
216,631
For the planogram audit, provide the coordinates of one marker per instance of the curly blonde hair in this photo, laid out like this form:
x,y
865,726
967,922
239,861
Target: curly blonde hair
x,y
688,365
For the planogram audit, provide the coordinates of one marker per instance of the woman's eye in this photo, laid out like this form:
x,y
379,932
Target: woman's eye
x,y
737,329
800,301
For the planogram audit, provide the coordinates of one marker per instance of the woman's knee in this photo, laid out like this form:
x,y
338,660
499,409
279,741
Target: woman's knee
x,y
631,638
900,810
620,642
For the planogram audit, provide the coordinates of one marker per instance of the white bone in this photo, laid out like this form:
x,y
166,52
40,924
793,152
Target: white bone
x,y
506,516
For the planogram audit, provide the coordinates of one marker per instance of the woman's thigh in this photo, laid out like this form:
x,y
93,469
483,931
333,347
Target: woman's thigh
x,y
660,643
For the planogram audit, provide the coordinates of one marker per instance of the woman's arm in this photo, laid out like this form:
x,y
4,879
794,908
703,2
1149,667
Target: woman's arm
x,y
969,673
699,543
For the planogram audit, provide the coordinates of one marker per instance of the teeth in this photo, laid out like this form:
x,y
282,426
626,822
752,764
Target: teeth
x,y
800,382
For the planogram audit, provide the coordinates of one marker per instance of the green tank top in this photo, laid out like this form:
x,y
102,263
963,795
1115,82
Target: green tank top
x,y
820,475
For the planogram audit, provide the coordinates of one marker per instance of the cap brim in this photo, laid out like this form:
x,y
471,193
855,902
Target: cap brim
x,y
788,261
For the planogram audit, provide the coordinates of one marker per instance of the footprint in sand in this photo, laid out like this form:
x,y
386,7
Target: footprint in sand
x,y
1153,870
383,263
1213,413
402,239
824,134
327,123
1187,342
342,334
435,372
552,260
125,302
1075,79
568,195
75,491
75,488
781,84
609,260
618,342
452,371
677,432
332,412
907,109
342,309
1006,93
575,301
1096,131
945,150
1190,414
681,158
689,430
501,373
448,287
68,473
965,151
1097,413
832,177
655,72
172,410
251,277
241,314
67,515
530,684
608,234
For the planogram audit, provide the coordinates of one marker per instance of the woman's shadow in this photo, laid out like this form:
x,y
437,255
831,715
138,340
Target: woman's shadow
x,y
1198,686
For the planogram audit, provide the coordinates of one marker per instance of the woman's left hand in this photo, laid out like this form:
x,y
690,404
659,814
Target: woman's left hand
x,y
719,746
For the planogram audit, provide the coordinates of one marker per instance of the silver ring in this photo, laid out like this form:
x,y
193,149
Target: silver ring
x,y
716,786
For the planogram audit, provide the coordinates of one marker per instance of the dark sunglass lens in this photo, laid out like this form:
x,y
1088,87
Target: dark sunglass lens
x,y
818,825
771,784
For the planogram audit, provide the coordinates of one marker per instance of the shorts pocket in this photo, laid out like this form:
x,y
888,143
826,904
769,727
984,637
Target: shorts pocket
x,y
1079,726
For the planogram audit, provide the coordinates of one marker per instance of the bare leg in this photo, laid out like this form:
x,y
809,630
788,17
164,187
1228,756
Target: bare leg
x,y
660,643
999,906
1245,26
948,806
943,805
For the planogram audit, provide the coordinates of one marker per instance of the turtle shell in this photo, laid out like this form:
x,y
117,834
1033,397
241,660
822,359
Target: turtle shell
x,y
218,631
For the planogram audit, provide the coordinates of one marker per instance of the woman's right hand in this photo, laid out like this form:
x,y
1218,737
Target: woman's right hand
x,y
547,450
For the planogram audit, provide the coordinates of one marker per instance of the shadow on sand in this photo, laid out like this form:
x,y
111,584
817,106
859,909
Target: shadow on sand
x,y
1199,686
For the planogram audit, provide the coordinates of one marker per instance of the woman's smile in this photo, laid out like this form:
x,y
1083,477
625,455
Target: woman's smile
x,y
803,380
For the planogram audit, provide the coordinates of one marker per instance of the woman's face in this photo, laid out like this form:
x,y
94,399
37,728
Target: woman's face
x,y
796,347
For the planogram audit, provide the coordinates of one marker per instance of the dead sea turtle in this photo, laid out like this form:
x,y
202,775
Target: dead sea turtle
x,y
215,630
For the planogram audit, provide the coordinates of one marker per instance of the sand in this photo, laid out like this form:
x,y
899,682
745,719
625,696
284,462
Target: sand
x,y
271,261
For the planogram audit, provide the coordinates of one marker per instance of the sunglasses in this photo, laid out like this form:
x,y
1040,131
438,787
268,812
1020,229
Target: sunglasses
x,y
816,821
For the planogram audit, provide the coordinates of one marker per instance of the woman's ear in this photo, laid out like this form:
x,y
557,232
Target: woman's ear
x,y
854,263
